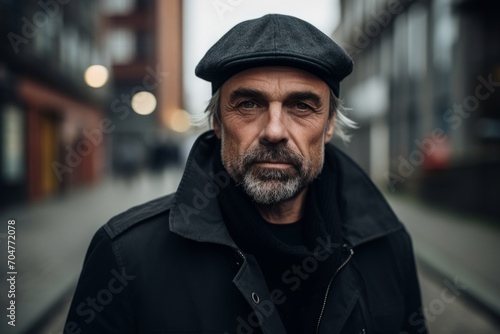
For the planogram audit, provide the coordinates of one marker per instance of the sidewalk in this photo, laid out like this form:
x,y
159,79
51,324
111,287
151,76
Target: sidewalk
x,y
455,246
52,237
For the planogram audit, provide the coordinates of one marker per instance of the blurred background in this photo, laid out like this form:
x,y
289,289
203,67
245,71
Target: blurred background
x,y
95,106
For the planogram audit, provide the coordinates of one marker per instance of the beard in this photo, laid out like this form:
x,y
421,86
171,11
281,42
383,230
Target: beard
x,y
271,185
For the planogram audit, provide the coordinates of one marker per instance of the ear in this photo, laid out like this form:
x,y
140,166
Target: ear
x,y
217,126
330,126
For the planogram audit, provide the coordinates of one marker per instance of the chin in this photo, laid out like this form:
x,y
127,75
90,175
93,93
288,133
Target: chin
x,y
272,191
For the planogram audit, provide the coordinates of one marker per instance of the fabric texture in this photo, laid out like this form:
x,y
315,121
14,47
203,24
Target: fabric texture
x,y
278,40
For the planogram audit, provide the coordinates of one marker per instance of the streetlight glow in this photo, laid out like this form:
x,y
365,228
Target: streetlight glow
x,y
179,121
96,76
143,103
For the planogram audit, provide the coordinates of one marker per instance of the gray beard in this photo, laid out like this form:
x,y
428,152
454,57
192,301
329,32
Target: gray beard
x,y
271,186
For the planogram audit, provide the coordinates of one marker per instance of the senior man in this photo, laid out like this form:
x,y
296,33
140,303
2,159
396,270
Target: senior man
x,y
272,229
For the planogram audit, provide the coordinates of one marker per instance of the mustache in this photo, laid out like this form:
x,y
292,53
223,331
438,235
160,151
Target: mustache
x,y
279,153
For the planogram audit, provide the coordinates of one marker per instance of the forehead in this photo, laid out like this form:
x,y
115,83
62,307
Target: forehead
x,y
276,79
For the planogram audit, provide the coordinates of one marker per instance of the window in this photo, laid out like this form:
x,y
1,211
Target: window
x,y
120,45
417,30
117,7
13,144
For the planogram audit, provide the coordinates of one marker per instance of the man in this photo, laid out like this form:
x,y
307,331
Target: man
x,y
272,229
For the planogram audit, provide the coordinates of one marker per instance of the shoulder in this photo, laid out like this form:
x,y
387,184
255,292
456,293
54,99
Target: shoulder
x,y
137,216
401,244
390,255
397,242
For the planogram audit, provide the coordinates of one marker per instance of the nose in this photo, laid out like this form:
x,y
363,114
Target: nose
x,y
275,130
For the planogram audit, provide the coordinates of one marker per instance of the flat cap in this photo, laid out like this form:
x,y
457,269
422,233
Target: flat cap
x,y
275,40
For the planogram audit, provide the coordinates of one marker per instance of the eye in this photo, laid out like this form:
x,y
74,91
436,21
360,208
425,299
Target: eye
x,y
302,106
248,104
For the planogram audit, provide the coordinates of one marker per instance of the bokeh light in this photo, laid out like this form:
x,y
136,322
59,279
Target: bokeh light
x,y
144,103
96,76
179,121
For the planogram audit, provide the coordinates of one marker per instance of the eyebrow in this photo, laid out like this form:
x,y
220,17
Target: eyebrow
x,y
305,96
247,93
258,95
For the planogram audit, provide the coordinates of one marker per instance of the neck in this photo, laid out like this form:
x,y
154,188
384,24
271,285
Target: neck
x,y
286,212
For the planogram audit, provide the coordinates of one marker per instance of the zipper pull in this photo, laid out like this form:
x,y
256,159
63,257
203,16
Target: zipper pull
x,y
240,257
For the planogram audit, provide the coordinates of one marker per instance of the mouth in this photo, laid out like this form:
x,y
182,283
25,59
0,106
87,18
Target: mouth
x,y
273,164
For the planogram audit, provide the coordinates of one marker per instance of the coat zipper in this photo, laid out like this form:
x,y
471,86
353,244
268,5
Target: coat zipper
x,y
351,253
240,253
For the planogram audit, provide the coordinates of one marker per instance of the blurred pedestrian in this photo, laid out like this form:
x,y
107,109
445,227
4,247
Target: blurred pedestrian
x,y
272,229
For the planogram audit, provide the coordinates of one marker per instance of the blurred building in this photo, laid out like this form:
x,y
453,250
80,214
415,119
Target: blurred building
x,y
144,41
49,117
426,94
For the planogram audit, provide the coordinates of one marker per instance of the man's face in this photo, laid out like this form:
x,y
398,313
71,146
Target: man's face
x,y
273,127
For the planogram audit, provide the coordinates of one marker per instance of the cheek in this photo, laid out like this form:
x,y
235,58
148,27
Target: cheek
x,y
310,136
231,147
317,154
315,150
239,136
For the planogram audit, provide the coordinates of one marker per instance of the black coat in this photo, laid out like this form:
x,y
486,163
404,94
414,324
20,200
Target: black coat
x,y
170,266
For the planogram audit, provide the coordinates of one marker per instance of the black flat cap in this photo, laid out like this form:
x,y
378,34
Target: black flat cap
x,y
275,40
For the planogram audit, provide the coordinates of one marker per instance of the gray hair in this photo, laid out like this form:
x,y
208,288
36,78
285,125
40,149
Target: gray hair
x,y
342,123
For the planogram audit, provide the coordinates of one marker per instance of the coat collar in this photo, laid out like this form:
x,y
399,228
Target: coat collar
x,y
366,213
195,212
